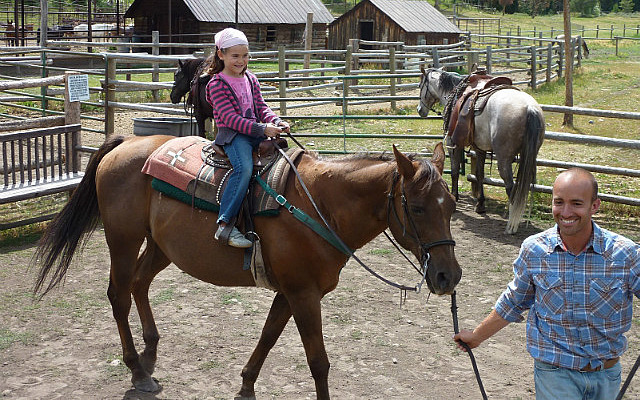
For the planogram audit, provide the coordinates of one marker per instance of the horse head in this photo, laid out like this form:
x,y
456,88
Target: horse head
x,y
181,83
419,216
431,89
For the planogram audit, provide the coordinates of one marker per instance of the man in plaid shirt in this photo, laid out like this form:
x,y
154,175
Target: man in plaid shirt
x,y
578,281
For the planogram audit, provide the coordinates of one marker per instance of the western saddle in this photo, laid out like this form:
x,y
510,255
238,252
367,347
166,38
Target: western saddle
x,y
468,99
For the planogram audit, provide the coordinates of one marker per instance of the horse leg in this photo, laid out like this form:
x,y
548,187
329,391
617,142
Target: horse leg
x,y
201,125
150,263
124,252
279,315
506,173
479,172
307,314
455,155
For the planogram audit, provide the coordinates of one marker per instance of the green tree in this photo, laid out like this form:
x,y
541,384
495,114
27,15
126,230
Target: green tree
x,y
626,6
534,7
587,8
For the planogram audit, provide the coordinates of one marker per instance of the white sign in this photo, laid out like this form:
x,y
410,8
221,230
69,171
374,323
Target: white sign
x,y
78,85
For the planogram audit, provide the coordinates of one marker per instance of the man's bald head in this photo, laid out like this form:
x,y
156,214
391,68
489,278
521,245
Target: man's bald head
x,y
578,175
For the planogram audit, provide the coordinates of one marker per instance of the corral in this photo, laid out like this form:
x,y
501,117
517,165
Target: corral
x,y
69,348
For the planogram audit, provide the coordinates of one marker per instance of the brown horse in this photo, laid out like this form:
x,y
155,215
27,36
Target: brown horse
x,y
360,196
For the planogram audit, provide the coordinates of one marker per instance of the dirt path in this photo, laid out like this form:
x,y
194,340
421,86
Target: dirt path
x,y
67,346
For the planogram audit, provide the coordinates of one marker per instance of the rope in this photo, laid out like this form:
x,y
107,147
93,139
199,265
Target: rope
x,y
628,380
454,313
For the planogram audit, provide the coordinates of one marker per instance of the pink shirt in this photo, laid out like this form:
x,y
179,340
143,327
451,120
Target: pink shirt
x,y
242,91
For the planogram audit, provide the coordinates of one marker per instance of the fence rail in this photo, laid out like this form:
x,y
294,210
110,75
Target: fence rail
x,y
387,74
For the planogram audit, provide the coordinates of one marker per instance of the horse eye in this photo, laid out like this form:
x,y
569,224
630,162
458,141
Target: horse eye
x,y
417,210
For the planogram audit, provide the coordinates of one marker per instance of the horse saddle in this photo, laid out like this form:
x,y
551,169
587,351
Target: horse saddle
x,y
194,170
480,87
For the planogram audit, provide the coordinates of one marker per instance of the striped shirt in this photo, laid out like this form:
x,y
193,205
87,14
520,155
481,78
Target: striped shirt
x,y
227,114
579,306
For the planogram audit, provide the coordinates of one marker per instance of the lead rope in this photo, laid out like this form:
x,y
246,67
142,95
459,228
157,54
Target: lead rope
x,y
454,313
628,380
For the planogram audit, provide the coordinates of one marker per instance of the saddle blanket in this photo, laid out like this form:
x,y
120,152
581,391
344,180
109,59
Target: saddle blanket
x,y
181,173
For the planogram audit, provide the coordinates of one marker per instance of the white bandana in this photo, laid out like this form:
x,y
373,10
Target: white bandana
x,y
230,37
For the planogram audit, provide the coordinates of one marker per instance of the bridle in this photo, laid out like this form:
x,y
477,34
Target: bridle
x,y
430,93
425,247
425,255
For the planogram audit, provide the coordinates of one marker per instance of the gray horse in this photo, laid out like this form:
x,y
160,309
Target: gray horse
x,y
511,124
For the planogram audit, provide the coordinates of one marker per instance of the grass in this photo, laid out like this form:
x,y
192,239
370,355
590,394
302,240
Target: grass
x,y
8,338
605,81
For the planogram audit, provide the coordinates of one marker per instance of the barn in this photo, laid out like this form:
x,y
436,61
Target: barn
x,y
267,23
413,22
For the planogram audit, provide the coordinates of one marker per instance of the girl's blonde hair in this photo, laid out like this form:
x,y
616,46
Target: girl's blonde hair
x,y
215,63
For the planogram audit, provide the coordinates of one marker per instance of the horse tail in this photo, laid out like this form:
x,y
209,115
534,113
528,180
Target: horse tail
x,y
534,134
72,226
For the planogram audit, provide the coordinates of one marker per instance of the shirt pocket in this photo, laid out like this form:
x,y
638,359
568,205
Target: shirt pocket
x,y
606,297
549,294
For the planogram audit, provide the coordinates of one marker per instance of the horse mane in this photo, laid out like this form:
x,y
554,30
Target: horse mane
x,y
427,172
449,81
191,66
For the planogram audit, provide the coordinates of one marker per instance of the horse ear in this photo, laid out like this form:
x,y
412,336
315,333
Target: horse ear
x,y
405,166
422,69
438,157
180,63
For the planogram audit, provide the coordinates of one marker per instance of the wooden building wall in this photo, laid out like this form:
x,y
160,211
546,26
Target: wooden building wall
x,y
260,36
384,29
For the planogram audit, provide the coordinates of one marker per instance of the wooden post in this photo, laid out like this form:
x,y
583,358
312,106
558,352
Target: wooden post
x,y
109,96
72,116
617,40
155,75
508,46
282,73
392,70
44,13
577,43
345,82
436,58
308,38
354,63
560,60
549,58
534,65
489,60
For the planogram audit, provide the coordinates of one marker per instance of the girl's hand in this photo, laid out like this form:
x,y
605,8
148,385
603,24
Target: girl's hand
x,y
285,127
272,130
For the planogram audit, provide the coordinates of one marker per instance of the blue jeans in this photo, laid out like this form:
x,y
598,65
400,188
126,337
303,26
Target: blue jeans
x,y
554,383
239,152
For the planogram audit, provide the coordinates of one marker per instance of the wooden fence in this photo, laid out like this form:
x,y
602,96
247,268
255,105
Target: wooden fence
x,y
388,73
40,156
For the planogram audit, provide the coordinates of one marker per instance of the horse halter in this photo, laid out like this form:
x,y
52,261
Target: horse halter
x,y
425,82
425,256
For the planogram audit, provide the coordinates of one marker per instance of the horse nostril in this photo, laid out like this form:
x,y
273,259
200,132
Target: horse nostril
x,y
442,280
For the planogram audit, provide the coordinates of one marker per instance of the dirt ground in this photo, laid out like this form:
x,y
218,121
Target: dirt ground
x,y
67,345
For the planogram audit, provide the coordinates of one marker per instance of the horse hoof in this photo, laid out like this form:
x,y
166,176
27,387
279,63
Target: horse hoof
x,y
481,210
239,397
147,385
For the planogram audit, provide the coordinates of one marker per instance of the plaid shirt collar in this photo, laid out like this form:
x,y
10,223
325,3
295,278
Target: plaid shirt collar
x,y
595,244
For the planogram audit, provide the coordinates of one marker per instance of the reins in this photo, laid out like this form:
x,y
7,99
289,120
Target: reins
x,y
456,330
627,381
414,235
351,253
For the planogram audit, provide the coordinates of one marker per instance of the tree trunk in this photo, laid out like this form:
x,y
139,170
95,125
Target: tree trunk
x,y
568,56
